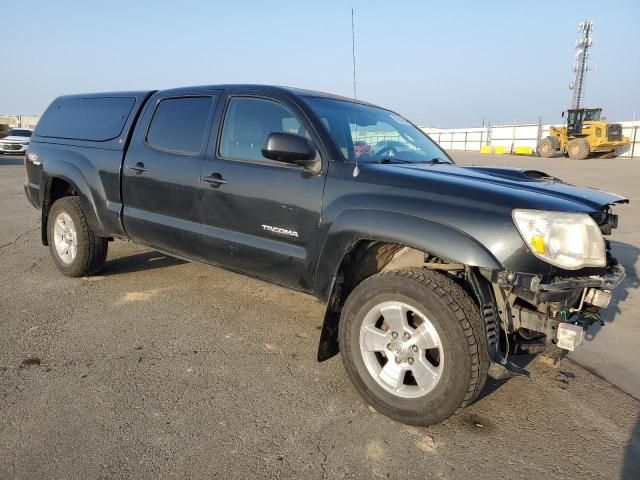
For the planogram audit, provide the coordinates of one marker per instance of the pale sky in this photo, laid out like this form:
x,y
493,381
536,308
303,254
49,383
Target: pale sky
x,y
446,63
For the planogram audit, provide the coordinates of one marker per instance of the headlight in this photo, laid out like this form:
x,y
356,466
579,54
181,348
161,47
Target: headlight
x,y
567,240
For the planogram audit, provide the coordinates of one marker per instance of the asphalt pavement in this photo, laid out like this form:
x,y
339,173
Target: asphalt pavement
x,y
159,368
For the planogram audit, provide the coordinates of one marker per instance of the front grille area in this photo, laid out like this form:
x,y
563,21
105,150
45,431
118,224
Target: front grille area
x,y
10,147
614,131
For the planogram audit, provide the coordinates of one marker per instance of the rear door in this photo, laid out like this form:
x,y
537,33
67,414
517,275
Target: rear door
x,y
161,171
260,216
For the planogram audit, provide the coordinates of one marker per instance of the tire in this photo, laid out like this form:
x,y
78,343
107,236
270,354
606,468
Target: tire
x,y
548,147
72,230
578,149
462,359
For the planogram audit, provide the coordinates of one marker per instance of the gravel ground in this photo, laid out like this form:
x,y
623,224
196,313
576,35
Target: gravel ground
x,y
161,368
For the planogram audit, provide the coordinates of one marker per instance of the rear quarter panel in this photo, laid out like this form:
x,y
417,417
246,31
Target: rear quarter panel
x,y
93,173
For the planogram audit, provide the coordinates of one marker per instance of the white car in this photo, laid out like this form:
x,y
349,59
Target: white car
x,y
16,142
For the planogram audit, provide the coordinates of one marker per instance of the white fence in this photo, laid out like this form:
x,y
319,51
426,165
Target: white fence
x,y
516,135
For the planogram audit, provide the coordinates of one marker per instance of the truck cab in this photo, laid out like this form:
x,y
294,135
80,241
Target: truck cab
x,y
576,118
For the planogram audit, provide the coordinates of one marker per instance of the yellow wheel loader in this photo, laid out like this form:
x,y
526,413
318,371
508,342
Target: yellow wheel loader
x,y
583,135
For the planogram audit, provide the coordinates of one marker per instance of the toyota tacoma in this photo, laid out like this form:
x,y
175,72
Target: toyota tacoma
x,y
431,273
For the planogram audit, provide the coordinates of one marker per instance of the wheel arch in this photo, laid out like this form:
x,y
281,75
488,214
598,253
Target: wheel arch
x,y
363,243
66,180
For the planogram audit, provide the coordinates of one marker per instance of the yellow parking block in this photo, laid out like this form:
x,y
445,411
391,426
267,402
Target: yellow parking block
x,y
485,148
499,150
523,151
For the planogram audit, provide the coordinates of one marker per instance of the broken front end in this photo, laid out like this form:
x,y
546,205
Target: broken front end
x,y
550,313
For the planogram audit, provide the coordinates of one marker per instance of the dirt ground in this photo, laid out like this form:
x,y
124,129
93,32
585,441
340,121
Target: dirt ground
x,y
161,368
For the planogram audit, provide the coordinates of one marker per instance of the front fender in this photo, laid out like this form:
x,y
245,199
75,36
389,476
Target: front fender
x,y
420,233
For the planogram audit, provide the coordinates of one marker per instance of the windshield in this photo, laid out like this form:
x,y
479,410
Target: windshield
x,y
591,115
374,135
17,132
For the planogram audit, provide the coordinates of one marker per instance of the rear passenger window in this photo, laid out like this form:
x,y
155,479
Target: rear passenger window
x,y
179,124
247,123
96,119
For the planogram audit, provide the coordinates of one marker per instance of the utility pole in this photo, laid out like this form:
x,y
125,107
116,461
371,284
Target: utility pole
x,y
580,67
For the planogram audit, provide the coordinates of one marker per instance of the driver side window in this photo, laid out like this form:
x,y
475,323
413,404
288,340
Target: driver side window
x,y
247,123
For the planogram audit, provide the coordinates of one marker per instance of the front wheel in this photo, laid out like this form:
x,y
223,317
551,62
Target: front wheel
x,y
414,346
547,148
76,250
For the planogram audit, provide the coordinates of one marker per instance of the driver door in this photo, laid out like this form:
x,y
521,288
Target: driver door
x,y
574,122
260,216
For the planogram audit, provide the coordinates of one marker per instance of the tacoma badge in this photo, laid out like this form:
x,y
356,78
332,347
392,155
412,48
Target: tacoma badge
x,y
284,231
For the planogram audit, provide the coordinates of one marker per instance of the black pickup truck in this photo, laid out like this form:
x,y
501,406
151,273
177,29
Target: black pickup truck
x,y
431,273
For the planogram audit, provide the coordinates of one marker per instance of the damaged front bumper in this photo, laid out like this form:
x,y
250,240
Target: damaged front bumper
x,y
613,277
560,308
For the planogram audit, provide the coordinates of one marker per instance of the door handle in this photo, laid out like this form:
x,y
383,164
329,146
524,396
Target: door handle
x,y
138,167
215,180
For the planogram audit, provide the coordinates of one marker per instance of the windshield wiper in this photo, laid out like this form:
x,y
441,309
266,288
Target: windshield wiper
x,y
393,160
438,161
435,161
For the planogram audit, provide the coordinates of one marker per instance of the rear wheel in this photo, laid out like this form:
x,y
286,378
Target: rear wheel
x,y
413,344
578,149
547,148
76,250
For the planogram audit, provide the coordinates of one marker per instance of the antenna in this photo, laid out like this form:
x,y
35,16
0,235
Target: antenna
x,y
353,53
356,169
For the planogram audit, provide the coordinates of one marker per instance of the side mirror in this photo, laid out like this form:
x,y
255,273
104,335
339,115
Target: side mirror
x,y
291,148
562,114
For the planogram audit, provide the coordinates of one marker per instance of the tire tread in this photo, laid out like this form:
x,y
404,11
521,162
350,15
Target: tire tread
x,y
96,247
467,313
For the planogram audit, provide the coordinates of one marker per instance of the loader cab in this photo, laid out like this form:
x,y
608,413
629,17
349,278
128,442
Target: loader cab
x,y
576,117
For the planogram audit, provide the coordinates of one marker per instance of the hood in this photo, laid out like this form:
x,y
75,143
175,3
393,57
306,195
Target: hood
x,y
14,139
531,188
